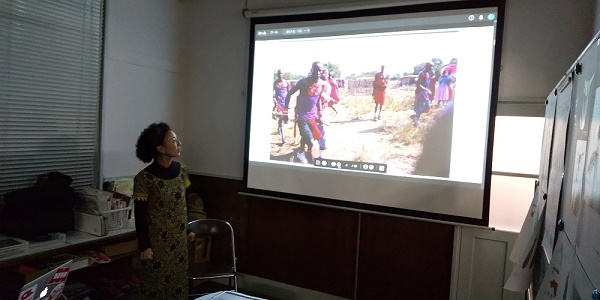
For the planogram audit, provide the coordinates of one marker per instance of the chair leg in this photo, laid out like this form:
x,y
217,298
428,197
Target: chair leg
x,y
234,283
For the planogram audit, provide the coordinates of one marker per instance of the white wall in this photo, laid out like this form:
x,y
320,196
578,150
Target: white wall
x,y
215,110
541,41
144,77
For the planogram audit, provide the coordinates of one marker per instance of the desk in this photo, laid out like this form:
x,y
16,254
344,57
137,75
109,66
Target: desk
x,y
75,241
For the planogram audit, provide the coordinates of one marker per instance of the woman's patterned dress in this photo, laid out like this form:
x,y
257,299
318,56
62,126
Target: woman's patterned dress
x,y
160,194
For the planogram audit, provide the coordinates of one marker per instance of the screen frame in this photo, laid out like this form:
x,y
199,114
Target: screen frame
x,y
392,10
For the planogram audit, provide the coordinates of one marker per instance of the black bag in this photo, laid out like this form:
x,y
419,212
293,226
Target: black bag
x,y
44,208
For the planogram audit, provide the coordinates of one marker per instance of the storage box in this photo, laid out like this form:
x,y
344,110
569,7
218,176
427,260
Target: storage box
x,y
117,218
91,200
90,223
11,246
94,201
47,240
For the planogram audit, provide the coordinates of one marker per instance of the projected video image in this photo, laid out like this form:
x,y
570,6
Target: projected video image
x,y
385,110
367,103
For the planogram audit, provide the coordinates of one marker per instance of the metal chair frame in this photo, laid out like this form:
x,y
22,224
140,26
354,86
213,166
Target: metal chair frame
x,y
212,228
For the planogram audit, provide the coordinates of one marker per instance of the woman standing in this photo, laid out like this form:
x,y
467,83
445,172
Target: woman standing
x,y
442,94
161,215
379,86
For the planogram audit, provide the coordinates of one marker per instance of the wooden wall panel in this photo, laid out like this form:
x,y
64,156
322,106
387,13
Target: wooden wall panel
x,y
303,245
221,201
315,247
404,259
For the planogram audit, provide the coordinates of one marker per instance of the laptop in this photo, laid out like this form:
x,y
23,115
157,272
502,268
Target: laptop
x,y
48,286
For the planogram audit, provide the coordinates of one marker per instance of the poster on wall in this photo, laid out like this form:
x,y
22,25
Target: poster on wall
x,y
581,287
557,157
588,248
581,113
571,207
547,143
556,280
523,253
528,239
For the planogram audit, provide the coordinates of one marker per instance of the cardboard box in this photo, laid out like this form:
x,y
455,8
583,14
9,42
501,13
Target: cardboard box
x,y
91,223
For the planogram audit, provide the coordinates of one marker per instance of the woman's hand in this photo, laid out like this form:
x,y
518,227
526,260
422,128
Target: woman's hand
x,y
191,236
147,255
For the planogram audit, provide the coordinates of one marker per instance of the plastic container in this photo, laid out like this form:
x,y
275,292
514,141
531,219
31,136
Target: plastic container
x,y
117,218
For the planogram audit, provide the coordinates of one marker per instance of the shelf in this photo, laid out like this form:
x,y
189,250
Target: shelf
x,y
75,241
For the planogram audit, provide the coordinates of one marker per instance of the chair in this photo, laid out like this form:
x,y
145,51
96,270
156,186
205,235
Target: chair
x,y
220,237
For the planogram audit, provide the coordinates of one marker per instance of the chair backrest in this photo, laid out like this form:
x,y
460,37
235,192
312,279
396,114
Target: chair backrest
x,y
222,241
209,227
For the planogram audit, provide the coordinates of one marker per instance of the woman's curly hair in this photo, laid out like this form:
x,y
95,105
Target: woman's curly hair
x,y
152,137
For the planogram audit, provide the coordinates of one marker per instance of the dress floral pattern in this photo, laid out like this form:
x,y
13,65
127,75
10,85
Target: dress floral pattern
x,y
164,277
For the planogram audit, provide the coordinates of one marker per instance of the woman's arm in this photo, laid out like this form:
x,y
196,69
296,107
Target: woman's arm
x,y
141,229
140,198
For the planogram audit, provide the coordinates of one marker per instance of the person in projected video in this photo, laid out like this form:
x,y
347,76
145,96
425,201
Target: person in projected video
x,y
379,86
326,100
308,110
443,92
280,91
333,93
422,93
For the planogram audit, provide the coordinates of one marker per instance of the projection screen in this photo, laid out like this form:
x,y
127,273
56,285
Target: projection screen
x,y
387,110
